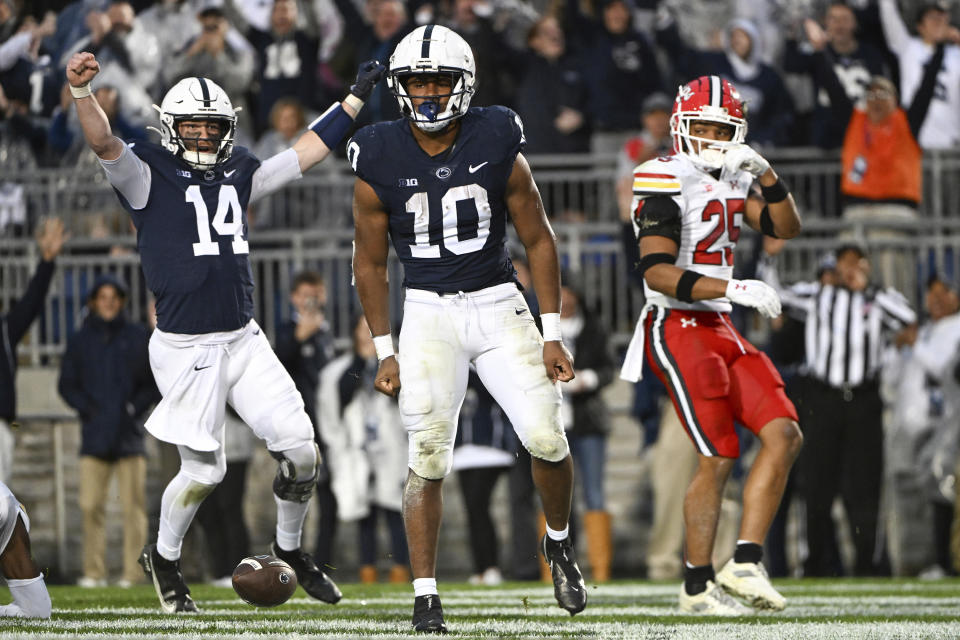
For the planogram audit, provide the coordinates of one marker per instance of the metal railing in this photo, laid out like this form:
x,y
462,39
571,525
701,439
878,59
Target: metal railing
x,y
592,251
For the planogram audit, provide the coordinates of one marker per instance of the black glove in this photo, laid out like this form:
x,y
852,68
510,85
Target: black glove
x,y
368,75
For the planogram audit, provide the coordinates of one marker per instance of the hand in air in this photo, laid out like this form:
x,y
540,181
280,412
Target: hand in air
x,y
388,377
743,157
81,69
368,75
756,294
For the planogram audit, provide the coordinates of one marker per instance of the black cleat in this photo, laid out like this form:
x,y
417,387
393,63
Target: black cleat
x,y
314,581
568,587
428,615
167,581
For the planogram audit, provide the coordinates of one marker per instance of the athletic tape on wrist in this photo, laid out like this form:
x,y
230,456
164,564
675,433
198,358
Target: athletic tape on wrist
x,y
384,346
81,92
551,326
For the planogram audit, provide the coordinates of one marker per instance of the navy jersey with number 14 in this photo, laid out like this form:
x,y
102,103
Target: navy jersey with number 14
x,y
192,238
448,212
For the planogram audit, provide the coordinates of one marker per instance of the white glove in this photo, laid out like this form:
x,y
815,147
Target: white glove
x,y
756,294
743,157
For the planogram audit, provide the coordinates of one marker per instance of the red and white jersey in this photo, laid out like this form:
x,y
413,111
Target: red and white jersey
x,y
711,211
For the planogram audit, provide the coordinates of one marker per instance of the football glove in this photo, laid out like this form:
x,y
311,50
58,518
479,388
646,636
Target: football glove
x,y
368,75
743,157
756,294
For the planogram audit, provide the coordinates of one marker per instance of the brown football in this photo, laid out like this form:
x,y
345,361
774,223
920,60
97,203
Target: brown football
x,y
264,581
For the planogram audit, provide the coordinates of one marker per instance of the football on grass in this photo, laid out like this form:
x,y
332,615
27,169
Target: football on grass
x,y
264,581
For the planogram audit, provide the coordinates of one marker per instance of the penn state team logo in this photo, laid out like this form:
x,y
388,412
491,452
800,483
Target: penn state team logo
x,y
444,172
209,175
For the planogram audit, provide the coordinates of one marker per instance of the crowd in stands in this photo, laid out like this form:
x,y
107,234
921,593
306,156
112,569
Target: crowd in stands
x,y
578,73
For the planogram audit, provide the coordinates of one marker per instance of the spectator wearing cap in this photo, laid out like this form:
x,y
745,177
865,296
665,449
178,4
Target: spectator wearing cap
x,y
881,159
551,96
105,376
941,130
770,112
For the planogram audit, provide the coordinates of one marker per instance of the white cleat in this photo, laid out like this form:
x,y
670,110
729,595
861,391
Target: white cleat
x,y
712,602
749,581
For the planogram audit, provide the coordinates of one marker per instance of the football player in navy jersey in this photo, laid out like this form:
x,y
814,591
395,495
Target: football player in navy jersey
x,y
441,182
187,197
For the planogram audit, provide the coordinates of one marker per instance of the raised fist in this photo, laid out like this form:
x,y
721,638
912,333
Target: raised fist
x,y
742,157
756,294
81,69
368,75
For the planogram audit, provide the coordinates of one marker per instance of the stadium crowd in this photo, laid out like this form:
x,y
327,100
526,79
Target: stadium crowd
x,y
584,76
578,73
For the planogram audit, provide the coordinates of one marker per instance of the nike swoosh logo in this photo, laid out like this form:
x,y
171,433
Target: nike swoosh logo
x,y
474,169
196,368
519,311
257,332
227,174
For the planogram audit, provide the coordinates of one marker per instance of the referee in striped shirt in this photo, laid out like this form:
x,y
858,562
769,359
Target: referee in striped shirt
x,y
848,323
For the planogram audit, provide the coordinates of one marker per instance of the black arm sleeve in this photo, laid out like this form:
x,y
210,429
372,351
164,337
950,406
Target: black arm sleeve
x,y
840,102
658,216
917,111
28,307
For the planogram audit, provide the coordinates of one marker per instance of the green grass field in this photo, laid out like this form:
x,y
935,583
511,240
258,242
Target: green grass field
x,y
855,609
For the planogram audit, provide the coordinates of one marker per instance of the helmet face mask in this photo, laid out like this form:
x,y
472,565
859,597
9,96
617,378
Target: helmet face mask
x,y
196,100
713,100
432,52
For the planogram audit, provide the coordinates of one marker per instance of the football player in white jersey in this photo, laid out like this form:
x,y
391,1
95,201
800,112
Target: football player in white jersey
x,y
687,211
24,579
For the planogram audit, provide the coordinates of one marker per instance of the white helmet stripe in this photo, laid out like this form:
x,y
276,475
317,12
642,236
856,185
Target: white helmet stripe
x,y
716,92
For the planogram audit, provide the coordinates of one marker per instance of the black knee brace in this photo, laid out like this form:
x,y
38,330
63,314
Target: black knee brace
x,y
286,484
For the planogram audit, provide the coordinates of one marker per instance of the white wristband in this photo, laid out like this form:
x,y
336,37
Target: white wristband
x,y
384,346
81,92
353,102
551,327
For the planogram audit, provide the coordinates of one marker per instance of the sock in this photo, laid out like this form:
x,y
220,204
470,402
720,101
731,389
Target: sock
x,y
695,578
179,504
425,587
748,552
30,599
558,535
290,517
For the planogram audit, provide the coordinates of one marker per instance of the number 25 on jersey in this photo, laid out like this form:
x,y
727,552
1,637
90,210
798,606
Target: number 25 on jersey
x,y
713,249
227,202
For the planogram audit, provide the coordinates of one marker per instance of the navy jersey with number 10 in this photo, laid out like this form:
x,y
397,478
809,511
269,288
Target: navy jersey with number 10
x,y
448,212
192,238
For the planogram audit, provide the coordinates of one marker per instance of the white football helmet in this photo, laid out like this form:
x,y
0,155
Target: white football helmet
x,y
197,99
429,50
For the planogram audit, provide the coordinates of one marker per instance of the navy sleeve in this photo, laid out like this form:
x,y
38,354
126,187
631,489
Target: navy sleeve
x,y
363,153
28,307
70,375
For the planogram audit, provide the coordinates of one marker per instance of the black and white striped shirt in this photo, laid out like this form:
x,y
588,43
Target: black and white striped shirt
x,y
846,331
